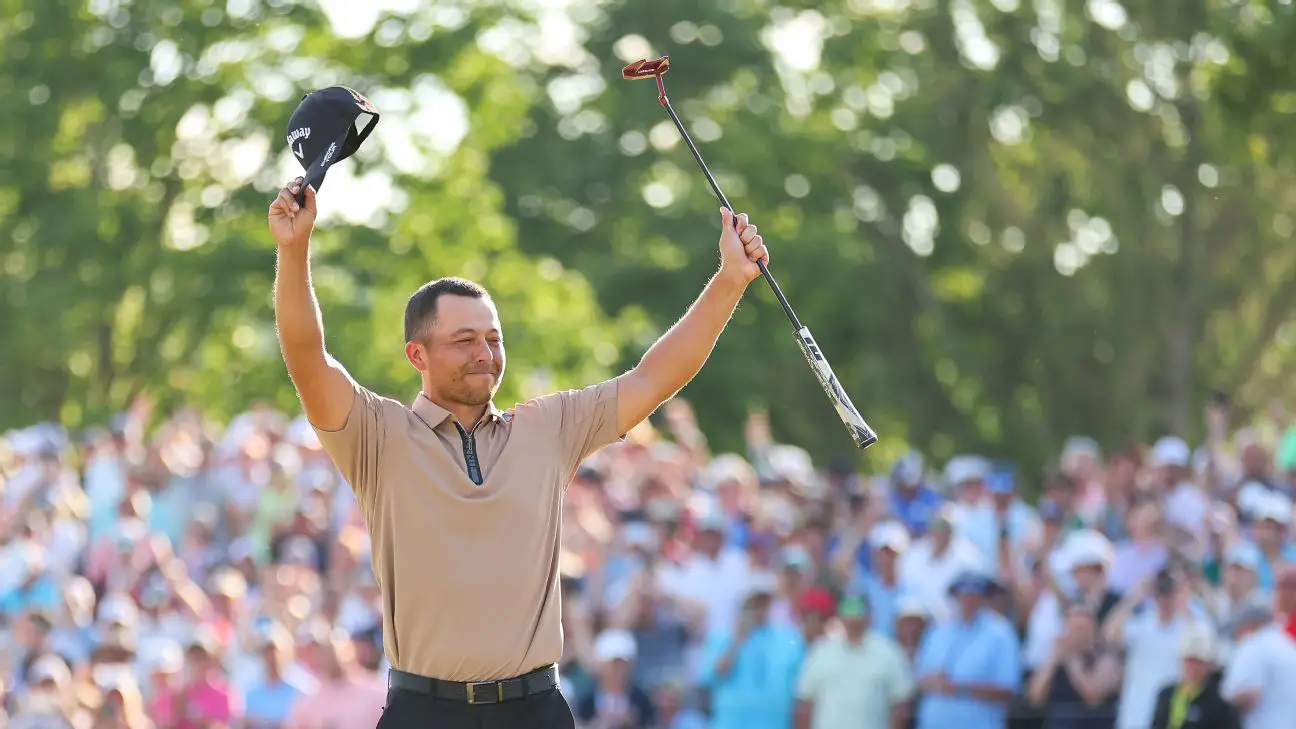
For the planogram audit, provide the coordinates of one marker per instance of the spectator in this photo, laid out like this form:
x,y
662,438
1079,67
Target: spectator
x,y
122,706
1187,505
973,516
663,626
1194,700
855,677
1120,485
162,661
1087,558
714,574
1285,600
816,607
932,564
617,701
1261,674
36,588
1076,685
32,639
269,700
911,626
1139,557
1240,584
1151,638
796,575
751,670
1081,461
205,697
881,585
968,667
912,501
348,696
49,701
1273,517
672,710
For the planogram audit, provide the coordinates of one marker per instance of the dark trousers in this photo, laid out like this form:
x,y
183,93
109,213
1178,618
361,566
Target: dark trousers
x,y
410,710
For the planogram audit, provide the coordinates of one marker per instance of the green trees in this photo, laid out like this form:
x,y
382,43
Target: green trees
x,y
1006,222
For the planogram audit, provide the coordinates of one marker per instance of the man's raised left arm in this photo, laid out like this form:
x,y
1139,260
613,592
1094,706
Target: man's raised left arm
x,y
679,354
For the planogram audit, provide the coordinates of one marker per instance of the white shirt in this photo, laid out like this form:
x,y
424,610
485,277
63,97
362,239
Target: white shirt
x,y
1042,630
1188,506
720,585
928,577
854,686
1264,661
1152,662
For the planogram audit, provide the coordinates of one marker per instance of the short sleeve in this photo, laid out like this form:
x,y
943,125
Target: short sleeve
x,y
1244,673
810,679
587,420
356,449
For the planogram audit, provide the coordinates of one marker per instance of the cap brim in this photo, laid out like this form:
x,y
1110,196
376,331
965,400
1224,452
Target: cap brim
x,y
315,174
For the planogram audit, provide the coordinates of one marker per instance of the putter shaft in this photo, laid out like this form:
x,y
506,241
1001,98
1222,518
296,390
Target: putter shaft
x,y
715,187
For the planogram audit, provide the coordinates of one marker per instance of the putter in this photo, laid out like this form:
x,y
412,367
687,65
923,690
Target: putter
x,y
859,430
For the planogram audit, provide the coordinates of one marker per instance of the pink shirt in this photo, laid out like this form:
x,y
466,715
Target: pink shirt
x,y
354,702
206,702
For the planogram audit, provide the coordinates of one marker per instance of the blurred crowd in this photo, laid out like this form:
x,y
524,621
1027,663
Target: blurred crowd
x,y
187,575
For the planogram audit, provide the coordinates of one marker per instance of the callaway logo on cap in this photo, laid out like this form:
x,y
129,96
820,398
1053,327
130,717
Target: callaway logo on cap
x,y
328,126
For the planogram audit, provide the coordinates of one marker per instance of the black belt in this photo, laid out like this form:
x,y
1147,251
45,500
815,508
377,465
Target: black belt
x,y
477,692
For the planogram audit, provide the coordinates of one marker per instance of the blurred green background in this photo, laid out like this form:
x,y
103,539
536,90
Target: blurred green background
x,y
1006,222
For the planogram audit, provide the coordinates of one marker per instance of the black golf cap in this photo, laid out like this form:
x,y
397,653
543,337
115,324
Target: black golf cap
x,y
328,126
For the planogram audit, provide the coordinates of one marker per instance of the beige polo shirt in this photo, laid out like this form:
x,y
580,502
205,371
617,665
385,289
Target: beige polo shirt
x,y
469,573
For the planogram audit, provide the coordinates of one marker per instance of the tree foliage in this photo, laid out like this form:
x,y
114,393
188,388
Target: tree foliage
x,y
1005,222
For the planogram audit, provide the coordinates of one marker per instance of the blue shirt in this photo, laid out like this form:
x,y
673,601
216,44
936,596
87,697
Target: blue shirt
x,y
984,651
1266,572
980,524
44,594
916,511
268,704
881,600
758,690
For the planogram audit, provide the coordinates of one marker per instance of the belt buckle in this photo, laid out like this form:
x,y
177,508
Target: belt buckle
x,y
473,697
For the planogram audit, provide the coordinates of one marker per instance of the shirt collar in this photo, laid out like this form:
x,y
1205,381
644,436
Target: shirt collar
x,y
434,415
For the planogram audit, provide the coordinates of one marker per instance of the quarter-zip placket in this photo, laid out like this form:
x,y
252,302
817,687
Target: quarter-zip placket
x,y
469,439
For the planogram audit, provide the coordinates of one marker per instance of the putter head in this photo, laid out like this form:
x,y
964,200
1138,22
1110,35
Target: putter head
x,y
647,68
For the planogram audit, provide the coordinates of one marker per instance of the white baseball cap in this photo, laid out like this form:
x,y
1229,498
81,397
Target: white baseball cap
x,y
1087,548
117,609
911,606
49,668
1245,555
1171,451
962,469
890,535
1199,643
612,645
762,583
1274,507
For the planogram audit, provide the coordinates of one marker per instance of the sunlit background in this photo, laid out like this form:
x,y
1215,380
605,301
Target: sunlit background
x,y
1047,247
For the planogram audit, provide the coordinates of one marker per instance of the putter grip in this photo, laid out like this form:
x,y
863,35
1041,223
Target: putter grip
x,y
859,430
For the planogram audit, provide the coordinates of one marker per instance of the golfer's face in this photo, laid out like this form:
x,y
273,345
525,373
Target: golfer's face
x,y
466,352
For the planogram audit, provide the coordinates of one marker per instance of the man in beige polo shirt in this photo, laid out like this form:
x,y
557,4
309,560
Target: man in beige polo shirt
x,y
462,499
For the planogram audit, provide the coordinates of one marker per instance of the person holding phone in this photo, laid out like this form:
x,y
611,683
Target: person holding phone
x,y
751,670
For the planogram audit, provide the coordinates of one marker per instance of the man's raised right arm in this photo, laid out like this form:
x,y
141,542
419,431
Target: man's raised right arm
x,y
326,390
